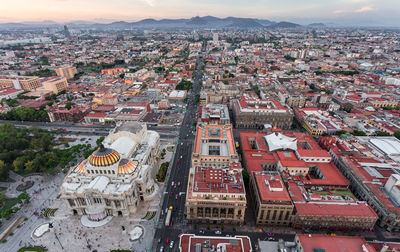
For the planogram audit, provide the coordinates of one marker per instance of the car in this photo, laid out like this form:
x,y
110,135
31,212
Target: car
x,y
176,196
172,184
163,129
181,157
175,185
218,232
167,241
201,231
270,234
159,240
171,245
161,248
179,183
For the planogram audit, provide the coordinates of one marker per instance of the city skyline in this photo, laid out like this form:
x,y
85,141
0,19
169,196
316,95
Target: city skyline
x,y
352,12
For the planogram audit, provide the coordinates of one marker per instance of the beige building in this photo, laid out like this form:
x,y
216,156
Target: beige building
x,y
55,84
273,203
216,195
67,72
27,83
214,146
118,177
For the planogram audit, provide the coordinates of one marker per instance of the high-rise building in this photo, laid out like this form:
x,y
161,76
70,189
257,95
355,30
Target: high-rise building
x,y
55,84
27,83
66,71
66,32
215,37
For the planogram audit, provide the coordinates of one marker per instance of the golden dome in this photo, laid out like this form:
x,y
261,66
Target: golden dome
x,y
126,166
104,157
81,167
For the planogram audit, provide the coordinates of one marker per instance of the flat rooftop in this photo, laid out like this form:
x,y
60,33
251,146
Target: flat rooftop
x,y
270,187
327,243
189,242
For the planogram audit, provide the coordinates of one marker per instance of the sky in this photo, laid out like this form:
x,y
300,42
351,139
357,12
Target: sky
x,y
378,12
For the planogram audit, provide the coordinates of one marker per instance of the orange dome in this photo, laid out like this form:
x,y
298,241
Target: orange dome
x,y
104,157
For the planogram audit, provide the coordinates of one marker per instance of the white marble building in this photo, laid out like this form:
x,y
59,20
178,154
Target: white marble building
x,y
117,177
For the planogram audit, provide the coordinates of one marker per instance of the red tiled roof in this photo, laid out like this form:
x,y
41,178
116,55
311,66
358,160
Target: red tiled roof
x,y
333,243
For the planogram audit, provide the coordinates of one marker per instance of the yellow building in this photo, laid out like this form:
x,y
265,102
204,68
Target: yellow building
x,y
27,83
55,84
66,71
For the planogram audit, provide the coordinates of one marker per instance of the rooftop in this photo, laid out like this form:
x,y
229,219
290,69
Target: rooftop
x,y
327,243
270,187
190,242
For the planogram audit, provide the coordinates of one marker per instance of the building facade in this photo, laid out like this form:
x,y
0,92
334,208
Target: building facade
x,y
214,146
256,113
273,204
55,84
116,178
216,195
66,71
27,83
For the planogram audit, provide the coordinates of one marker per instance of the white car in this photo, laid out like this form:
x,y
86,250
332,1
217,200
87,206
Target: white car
x,y
171,244
218,232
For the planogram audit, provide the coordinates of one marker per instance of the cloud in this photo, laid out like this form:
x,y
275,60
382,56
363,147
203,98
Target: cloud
x,y
360,10
151,3
364,9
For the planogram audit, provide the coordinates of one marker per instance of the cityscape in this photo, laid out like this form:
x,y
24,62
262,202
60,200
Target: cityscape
x,y
200,133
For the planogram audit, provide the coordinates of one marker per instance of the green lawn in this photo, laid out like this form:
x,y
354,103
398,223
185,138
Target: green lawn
x,y
32,248
336,193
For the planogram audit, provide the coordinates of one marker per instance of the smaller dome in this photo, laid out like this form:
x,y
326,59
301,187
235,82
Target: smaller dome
x,y
104,157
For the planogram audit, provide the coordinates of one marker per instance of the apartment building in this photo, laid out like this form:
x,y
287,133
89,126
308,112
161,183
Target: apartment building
x,y
27,83
66,71
55,84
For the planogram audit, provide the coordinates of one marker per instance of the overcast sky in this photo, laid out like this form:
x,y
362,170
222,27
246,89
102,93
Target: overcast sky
x,y
380,12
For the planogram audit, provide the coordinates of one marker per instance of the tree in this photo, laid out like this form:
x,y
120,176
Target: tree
x,y
359,133
397,134
246,176
18,164
29,166
3,170
380,133
100,140
68,105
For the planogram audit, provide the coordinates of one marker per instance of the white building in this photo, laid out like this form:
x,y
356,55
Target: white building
x,y
117,177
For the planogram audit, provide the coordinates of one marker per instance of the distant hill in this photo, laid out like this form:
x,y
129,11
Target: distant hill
x,y
209,22
317,25
284,24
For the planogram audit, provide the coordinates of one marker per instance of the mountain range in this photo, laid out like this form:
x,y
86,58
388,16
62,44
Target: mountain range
x,y
192,23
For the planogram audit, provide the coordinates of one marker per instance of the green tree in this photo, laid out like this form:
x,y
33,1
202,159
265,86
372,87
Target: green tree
x,y
18,164
29,166
68,105
100,140
3,170
246,176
